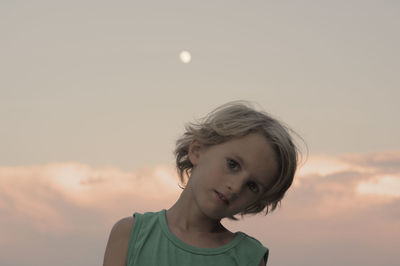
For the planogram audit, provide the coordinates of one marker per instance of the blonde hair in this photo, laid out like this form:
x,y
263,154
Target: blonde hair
x,y
234,120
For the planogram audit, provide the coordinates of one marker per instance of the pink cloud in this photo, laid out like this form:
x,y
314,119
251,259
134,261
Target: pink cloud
x,y
337,203
34,192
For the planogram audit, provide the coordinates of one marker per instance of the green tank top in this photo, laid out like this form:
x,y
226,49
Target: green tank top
x,y
152,243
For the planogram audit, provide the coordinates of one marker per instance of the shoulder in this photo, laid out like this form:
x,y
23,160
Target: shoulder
x,y
118,241
122,226
253,248
253,242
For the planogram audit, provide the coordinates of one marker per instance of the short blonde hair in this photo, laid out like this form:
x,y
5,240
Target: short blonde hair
x,y
234,120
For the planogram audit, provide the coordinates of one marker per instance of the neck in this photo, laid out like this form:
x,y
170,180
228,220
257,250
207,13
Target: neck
x,y
185,215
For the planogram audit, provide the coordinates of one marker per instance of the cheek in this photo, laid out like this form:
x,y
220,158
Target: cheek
x,y
200,175
213,169
249,198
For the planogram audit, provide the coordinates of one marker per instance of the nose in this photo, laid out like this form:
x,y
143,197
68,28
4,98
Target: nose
x,y
235,185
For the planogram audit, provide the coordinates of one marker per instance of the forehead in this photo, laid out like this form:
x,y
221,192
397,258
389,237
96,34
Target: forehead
x,y
253,143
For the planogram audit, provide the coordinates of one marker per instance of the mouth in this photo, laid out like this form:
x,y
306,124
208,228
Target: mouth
x,y
222,197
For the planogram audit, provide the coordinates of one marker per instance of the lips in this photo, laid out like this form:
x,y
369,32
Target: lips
x,y
222,197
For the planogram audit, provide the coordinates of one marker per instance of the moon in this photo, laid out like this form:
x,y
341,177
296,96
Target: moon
x,y
185,57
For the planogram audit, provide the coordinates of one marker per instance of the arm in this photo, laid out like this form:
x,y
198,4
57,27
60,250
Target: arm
x,y
117,245
262,263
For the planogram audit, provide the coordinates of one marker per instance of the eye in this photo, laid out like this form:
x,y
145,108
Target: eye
x,y
253,187
233,165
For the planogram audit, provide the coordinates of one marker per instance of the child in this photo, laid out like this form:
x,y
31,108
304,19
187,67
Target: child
x,y
235,161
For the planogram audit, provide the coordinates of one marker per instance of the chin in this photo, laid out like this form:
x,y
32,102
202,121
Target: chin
x,y
215,216
213,213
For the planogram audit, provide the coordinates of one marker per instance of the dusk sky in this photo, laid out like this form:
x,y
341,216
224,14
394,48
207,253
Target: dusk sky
x,y
93,95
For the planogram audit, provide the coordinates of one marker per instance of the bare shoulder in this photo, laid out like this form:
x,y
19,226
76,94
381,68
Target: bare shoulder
x,y
117,245
123,226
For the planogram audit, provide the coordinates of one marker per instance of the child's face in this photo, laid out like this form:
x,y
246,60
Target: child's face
x,y
228,177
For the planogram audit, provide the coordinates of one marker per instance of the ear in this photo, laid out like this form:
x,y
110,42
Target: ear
x,y
194,152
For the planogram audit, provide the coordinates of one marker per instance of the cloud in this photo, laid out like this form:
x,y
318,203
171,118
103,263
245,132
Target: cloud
x,y
380,172
386,185
387,161
42,193
328,186
46,209
336,203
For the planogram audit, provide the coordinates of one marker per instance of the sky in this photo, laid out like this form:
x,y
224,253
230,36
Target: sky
x,y
93,95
